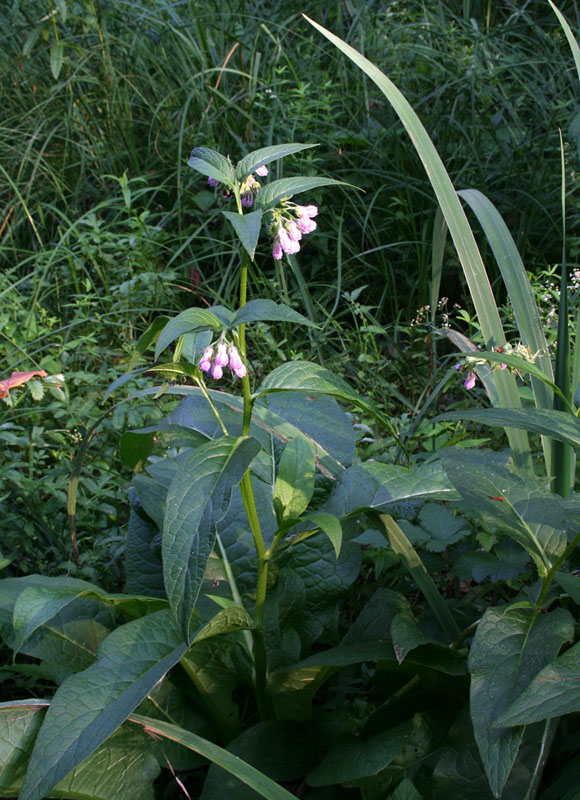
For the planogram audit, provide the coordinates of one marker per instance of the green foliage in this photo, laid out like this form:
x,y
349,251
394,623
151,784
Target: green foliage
x,y
327,593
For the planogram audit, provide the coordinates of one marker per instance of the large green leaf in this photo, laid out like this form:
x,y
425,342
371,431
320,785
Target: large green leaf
x,y
197,499
389,487
265,155
37,605
89,706
263,310
353,757
554,691
245,772
192,319
71,637
247,227
213,164
510,648
124,766
283,750
559,425
285,416
304,376
294,485
513,503
285,188
143,565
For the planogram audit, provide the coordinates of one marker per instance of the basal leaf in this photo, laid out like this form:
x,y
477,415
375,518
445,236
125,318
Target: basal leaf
x,y
353,757
143,565
554,691
263,310
265,155
124,766
197,499
282,750
510,648
247,227
89,706
192,319
214,165
285,188
294,485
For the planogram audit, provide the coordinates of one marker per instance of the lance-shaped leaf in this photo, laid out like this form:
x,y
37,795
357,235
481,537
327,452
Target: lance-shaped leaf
x,y
197,499
124,766
258,158
89,706
516,504
510,648
329,525
294,485
559,425
268,311
553,692
192,319
247,227
214,165
286,188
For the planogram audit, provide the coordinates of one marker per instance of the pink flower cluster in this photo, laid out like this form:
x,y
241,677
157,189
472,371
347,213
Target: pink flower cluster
x,y
225,355
289,232
249,188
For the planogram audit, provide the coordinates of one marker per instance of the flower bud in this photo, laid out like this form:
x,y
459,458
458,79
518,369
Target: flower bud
x,y
216,372
221,358
235,359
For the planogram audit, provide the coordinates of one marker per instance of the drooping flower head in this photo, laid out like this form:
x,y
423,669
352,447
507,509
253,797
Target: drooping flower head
x,y
290,223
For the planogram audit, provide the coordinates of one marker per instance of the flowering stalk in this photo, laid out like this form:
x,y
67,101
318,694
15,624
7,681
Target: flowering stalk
x,y
247,490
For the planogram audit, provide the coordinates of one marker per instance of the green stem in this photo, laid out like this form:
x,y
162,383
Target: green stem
x,y
247,490
206,394
554,569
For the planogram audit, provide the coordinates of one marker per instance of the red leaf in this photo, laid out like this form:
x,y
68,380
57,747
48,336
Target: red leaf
x,y
17,379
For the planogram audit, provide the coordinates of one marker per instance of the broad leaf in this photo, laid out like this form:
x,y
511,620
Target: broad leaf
x,y
37,605
285,416
124,766
192,319
143,565
304,376
405,791
269,311
513,503
554,691
146,339
560,425
352,757
282,750
570,584
197,499
329,525
294,485
247,227
214,165
89,706
285,188
510,648
265,155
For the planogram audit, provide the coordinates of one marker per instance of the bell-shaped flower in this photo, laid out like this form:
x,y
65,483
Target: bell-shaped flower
x,y
213,182
289,245
262,171
470,380
307,211
216,372
221,358
277,251
294,231
206,359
